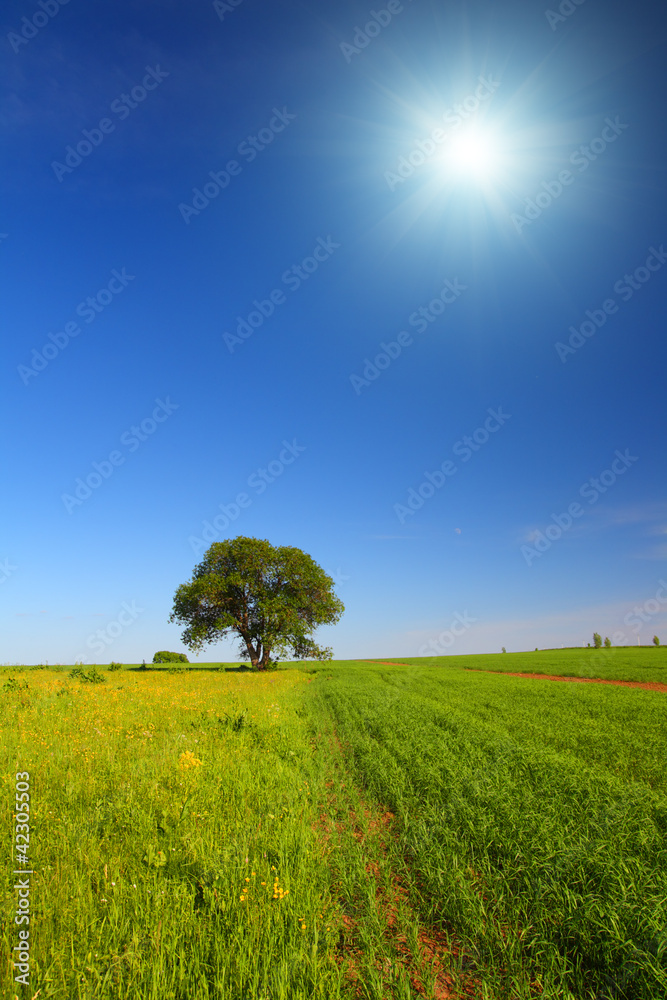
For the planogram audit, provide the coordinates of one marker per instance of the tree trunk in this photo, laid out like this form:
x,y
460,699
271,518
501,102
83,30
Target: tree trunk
x,y
254,653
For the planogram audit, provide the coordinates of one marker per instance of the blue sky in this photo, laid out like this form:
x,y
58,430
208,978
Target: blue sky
x,y
241,237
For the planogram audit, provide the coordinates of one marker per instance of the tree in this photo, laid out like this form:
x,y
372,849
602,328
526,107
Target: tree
x,y
271,597
656,641
607,642
597,640
164,657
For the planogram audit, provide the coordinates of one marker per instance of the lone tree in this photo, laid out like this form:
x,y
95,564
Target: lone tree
x,y
271,598
597,640
656,641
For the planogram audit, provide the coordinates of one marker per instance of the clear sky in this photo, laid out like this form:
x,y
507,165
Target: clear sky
x,y
386,283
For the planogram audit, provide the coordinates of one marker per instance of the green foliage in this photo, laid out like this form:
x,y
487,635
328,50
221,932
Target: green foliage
x,y
115,666
91,676
13,685
504,650
607,642
272,598
530,815
656,641
597,640
163,656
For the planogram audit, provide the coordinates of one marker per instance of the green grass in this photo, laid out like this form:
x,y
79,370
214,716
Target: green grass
x,y
530,823
532,817
630,663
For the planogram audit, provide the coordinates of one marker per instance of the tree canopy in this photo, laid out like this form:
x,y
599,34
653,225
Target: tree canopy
x,y
272,598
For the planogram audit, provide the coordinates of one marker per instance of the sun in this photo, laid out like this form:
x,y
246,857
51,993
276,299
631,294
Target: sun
x,y
472,153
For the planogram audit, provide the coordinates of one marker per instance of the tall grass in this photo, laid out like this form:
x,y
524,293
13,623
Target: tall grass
x,y
532,819
172,837
210,834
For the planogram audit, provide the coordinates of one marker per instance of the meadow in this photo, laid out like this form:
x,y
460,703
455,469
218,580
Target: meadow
x,y
339,830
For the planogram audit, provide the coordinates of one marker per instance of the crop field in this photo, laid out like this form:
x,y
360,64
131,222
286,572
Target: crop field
x,y
340,830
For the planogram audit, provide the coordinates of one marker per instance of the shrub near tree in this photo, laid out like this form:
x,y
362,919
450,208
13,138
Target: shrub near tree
x,y
164,657
607,641
272,598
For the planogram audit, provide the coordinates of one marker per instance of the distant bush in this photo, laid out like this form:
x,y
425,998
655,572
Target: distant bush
x,y
656,641
597,640
504,650
92,676
13,685
607,641
115,666
165,657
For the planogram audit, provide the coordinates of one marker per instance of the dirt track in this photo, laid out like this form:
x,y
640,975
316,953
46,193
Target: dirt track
x,y
647,685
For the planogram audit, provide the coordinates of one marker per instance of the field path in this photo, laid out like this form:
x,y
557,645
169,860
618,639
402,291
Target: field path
x,y
420,953
646,685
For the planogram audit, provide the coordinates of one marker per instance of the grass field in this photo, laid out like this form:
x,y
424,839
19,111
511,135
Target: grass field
x,y
341,830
